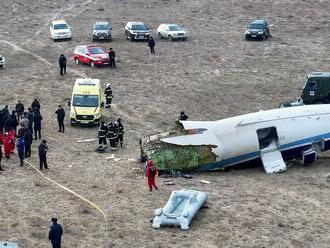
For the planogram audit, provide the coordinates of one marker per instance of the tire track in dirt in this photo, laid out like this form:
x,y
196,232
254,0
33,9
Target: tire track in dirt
x,y
41,59
61,10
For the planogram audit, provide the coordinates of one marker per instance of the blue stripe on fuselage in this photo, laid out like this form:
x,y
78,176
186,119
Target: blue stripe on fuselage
x,y
289,151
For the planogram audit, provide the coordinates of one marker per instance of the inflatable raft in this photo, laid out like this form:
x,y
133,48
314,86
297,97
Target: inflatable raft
x,y
180,209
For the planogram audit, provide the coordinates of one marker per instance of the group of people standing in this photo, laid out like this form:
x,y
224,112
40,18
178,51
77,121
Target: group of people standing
x,y
113,131
17,128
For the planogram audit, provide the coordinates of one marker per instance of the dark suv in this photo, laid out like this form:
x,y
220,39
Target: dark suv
x,y
102,31
257,29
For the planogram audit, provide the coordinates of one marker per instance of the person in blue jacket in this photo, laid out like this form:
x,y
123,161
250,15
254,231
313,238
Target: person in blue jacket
x,y
20,150
55,234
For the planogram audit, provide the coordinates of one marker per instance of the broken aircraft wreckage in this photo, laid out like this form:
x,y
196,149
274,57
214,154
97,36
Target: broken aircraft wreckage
x,y
269,137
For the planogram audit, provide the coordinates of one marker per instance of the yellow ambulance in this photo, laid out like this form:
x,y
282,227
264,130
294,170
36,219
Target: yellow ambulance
x,y
86,101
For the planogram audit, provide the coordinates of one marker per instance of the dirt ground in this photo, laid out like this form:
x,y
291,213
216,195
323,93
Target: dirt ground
x,y
213,75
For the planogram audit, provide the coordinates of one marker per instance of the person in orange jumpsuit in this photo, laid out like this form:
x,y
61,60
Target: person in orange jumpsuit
x,y
151,172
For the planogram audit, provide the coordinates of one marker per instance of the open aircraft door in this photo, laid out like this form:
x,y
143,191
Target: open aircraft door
x,y
271,156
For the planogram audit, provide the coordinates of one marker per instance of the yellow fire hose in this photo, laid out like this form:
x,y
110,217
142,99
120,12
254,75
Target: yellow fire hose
x,y
70,191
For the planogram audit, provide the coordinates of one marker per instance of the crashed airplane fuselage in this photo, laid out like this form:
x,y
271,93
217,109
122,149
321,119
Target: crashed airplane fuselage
x,y
271,136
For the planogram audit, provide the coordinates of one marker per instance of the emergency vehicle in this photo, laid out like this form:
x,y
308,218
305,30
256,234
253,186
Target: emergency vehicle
x,y
86,102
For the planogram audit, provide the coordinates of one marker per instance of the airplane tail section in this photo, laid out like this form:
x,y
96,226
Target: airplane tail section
x,y
203,125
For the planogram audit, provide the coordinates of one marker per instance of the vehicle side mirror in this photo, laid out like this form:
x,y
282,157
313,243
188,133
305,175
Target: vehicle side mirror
x,y
69,103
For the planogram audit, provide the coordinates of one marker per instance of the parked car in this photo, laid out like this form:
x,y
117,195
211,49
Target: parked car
x,y
91,55
102,31
59,29
2,61
258,29
171,32
136,31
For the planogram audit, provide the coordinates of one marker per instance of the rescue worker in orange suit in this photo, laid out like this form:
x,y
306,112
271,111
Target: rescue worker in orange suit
x,y
151,173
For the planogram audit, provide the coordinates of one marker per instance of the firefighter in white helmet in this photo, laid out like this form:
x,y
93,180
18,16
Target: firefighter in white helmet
x,y
108,95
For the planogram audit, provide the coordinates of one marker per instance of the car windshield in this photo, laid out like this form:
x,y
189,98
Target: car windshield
x,y
175,28
95,50
138,27
85,101
60,26
256,26
101,27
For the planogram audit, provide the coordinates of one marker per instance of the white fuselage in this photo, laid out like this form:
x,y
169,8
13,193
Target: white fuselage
x,y
235,139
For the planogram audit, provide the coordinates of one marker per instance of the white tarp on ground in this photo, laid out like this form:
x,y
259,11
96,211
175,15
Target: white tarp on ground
x,y
5,244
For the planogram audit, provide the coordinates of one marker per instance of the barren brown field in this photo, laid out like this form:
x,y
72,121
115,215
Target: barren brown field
x,y
213,75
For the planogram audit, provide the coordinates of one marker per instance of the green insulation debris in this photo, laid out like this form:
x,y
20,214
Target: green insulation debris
x,y
181,158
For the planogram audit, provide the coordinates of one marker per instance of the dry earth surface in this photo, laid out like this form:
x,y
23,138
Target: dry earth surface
x,y
214,74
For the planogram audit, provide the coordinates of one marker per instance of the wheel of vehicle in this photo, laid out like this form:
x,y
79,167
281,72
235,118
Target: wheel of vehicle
x,y
160,36
263,37
184,38
92,63
247,37
132,37
170,37
76,60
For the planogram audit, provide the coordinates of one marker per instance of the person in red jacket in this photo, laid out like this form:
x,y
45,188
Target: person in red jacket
x,y
1,141
151,173
11,135
6,144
